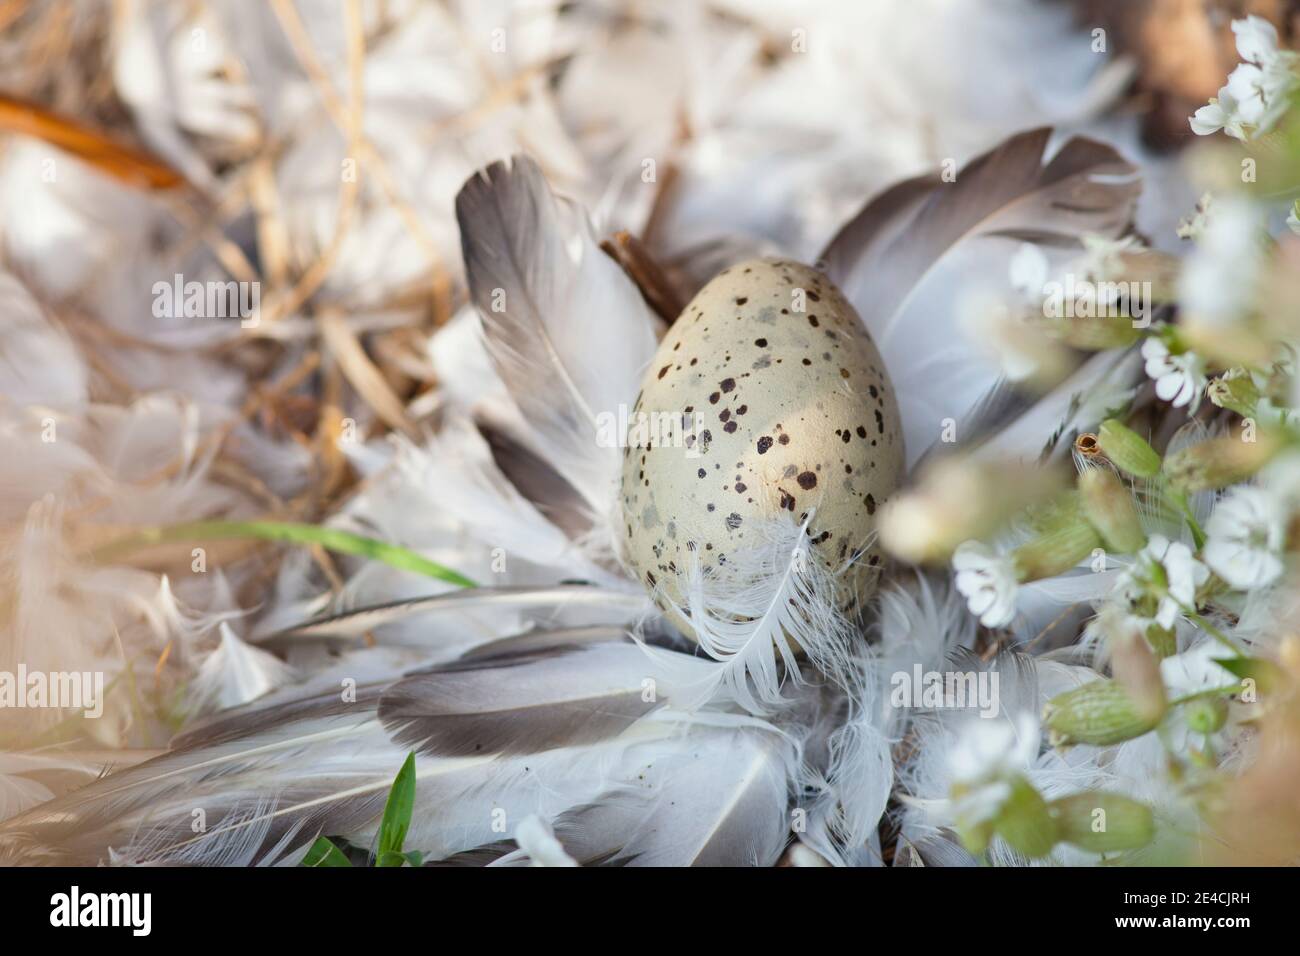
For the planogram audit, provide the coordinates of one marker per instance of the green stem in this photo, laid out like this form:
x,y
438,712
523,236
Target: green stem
x,y
1208,692
330,538
1203,624
1198,535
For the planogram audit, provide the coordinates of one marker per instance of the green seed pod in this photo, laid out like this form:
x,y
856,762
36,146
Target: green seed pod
x,y
1130,453
1100,713
1096,334
1103,822
1218,462
1236,391
1055,552
1025,822
1110,508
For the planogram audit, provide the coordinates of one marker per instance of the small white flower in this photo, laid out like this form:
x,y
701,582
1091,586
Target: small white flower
x,y
1028,271
1221,113
1162,581
1245,536
994,749
984,757
1196,669
1180,379
1191,672
1257,41
1293,218
988,582
1246,85
1257,92
1260,95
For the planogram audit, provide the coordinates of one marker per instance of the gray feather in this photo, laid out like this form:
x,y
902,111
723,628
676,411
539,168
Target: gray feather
x,y
568,331
556,697
353,623
1008,192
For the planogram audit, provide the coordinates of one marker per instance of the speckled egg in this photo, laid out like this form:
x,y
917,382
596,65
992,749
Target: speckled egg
x,y
786,411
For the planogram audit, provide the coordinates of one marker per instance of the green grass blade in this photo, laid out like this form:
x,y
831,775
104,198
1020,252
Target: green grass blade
x,y
332,539
397,814
324,853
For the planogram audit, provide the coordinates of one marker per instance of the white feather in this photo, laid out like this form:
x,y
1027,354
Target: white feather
x,y
755,614
236,673
537,841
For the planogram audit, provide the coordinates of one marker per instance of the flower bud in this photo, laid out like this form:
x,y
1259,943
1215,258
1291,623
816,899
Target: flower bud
x,y
1096,334
1135,663
1218,462
1236,391
1129,452
1103,822
955,500
1100,713
1109,506
1055,551
1025,822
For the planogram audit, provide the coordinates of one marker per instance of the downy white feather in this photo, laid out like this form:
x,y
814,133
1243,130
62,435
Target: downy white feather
x,y
235,674
755,614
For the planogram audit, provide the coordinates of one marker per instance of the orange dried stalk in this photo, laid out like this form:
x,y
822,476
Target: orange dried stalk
x,y
127,164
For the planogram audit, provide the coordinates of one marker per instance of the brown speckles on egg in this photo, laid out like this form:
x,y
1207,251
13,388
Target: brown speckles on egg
x,y
795,395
